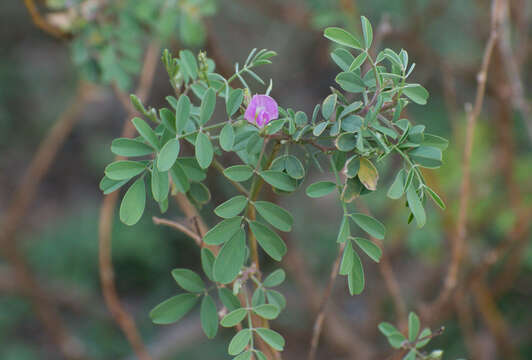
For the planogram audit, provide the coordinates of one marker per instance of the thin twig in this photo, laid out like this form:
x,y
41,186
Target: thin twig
x,y
121,316
25,193
459,237
185,230
318,324
41,23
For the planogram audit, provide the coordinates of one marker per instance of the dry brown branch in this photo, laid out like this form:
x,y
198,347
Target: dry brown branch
x,y
41,23
121,316
318,323
458,239
494,320
182,228
25,193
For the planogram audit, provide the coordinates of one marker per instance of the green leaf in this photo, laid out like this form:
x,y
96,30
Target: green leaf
x,y
435,197
387,329
294,168
267,311
229,300
367,31
239,173
346,266
207,262
124,169
435,141
230,259
167,119
130,147
272,338
416,93
344,232
168,155
413,326
355,278
320,188
276,298
342,37
234,317
415,205
342,58
188,61
234,101
146,132
426,156
327,108
359,60
275,215
179,177
223,231
319,128
425,334
188,280
246,355
204,151
370,225
231,207
396,190
274,126
352,189
227,137
350,82
270,242
352,166
278,180
370,248
199,193
209,317
133,203
276,278
173,309
396,340
182,113
160,185
108,185
411,355
207,106
345,142
239,342
368,174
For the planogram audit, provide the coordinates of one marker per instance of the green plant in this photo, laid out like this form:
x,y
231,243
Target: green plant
x,y
348,133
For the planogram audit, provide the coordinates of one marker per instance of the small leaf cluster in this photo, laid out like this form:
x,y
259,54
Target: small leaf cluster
x,y
349,134
415,340
109,37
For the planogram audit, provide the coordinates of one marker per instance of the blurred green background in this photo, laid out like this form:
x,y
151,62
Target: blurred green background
x,y
58,234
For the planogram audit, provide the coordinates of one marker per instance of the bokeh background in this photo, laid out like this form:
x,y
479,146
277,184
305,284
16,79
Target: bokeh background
x,y
68,74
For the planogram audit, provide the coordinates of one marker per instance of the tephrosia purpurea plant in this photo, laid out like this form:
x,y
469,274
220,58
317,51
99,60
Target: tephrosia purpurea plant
x,y
359,124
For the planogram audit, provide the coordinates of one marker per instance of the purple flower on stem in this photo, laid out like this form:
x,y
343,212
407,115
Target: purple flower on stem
x,y
261,110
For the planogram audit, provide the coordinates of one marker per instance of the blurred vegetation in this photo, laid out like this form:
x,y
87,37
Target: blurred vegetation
x,y
104,44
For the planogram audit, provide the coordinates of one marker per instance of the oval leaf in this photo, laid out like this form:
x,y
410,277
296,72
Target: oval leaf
x,y
230,258
173,309
370,225
188,280
204,151
133,203
275,215
231,207
270,242
168,155
320,189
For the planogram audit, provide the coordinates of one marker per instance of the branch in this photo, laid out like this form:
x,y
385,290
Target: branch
x,y
318,324
15,214
121,316
180,227
458,239
44,25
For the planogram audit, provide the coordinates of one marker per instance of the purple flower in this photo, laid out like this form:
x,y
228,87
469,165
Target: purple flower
x,y
261,110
